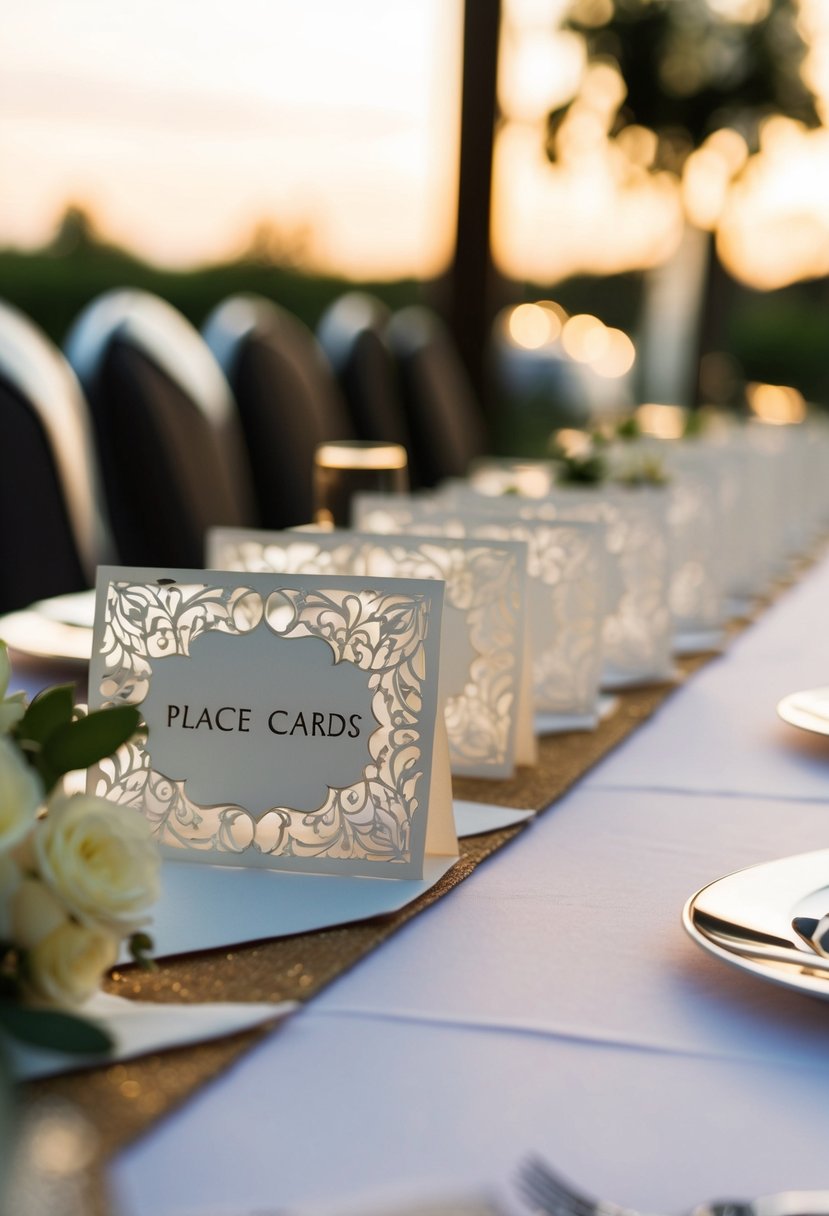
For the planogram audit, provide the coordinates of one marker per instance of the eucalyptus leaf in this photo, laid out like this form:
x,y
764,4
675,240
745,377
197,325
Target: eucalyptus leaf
x,y
56,1030
140,947
49,710
88,740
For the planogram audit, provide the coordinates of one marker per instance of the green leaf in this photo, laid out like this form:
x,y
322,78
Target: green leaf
x,y
141,945
85,742
49,710
55,1029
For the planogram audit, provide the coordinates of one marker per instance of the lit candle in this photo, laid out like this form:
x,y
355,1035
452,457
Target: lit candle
x,y
351,467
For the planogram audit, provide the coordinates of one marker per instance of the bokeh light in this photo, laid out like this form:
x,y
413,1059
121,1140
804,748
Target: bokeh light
x,y
778,404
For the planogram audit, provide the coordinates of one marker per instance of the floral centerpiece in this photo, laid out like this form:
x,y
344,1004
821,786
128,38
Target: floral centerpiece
x,y
78,874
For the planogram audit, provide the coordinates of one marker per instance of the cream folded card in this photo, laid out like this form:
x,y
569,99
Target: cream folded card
x,y
292,721
485,662
567,590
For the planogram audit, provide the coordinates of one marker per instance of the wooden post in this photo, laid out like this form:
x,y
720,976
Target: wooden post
x,y
470,308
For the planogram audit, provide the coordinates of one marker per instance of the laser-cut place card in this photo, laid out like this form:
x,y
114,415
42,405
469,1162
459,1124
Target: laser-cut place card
x,y
292,721
485,663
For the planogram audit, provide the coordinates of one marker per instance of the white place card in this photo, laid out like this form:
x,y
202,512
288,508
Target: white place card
x,y
567,591
292,720
638,633
485,679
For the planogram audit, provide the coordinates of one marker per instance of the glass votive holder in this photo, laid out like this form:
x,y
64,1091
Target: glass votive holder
x,y
355,466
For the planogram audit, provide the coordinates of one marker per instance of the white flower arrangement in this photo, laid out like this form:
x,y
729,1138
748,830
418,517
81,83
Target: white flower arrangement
x,y
78,874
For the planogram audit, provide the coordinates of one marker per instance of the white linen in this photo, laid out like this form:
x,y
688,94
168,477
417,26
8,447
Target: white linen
x,y
336,1106
553,1002
721,733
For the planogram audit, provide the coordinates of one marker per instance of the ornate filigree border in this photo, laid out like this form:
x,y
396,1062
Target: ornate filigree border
x,y
383,632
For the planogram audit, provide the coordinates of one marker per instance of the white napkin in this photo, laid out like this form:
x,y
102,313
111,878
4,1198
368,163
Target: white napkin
x,y
140,1027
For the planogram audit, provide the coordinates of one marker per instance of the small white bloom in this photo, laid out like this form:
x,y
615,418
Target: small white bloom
x,y
100,859
21,793
35,912
67,966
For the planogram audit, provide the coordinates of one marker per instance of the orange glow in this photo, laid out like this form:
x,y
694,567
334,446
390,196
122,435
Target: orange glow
x,y
708,175
533,326
776,403
574,443
662,421
775,226
618,356
181,129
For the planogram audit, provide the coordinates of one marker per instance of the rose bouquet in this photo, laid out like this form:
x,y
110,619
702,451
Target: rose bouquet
x,y
78,874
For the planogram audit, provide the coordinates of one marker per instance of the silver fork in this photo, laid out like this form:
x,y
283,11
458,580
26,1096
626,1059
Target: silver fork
x,y
548,1194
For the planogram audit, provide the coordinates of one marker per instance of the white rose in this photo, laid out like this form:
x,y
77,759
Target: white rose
x,y
66,967
100,859
21,793
12,708
34,913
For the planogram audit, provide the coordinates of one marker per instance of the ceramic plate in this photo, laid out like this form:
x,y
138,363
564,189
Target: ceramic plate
x,y
745,919
809,710
58,628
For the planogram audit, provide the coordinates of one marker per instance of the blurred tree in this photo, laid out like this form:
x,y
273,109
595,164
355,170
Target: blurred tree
x,y
685,70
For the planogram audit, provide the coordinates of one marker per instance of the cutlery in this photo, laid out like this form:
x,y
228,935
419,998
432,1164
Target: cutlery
x,y
773,950
814,932
548,1194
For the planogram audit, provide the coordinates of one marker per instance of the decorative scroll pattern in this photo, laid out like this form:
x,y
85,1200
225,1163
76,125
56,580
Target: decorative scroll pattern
x,y
695,595
381,633
637,632
568,577
483,583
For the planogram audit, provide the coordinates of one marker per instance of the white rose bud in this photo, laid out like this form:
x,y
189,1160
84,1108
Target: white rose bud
x,y
35,912
21,793
66,967
100,859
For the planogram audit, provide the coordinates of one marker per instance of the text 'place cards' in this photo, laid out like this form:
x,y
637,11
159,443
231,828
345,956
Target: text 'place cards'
x,y
292,721
485,678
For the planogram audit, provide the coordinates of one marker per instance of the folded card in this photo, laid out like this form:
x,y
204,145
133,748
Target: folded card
x,y
485,679
567,590
292,721
637,636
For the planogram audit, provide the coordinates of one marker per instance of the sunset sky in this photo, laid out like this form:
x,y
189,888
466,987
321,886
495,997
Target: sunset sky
x,y
181,124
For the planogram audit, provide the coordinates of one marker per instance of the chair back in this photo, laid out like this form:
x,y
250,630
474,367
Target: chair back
x,y
445,419
352,332
53,529
166,425
289,401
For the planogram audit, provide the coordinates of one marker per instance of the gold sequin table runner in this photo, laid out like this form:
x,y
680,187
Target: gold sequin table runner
x,y
122,1100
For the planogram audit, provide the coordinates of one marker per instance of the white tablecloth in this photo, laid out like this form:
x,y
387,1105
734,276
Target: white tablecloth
x,y
552,1001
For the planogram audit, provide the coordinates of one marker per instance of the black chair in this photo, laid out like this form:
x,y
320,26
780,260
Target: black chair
x,y
53,531
445,419
288,399
352,332
167,428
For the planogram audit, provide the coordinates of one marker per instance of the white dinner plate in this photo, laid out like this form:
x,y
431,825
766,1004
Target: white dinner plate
x,y
745,919
58,628
808,709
